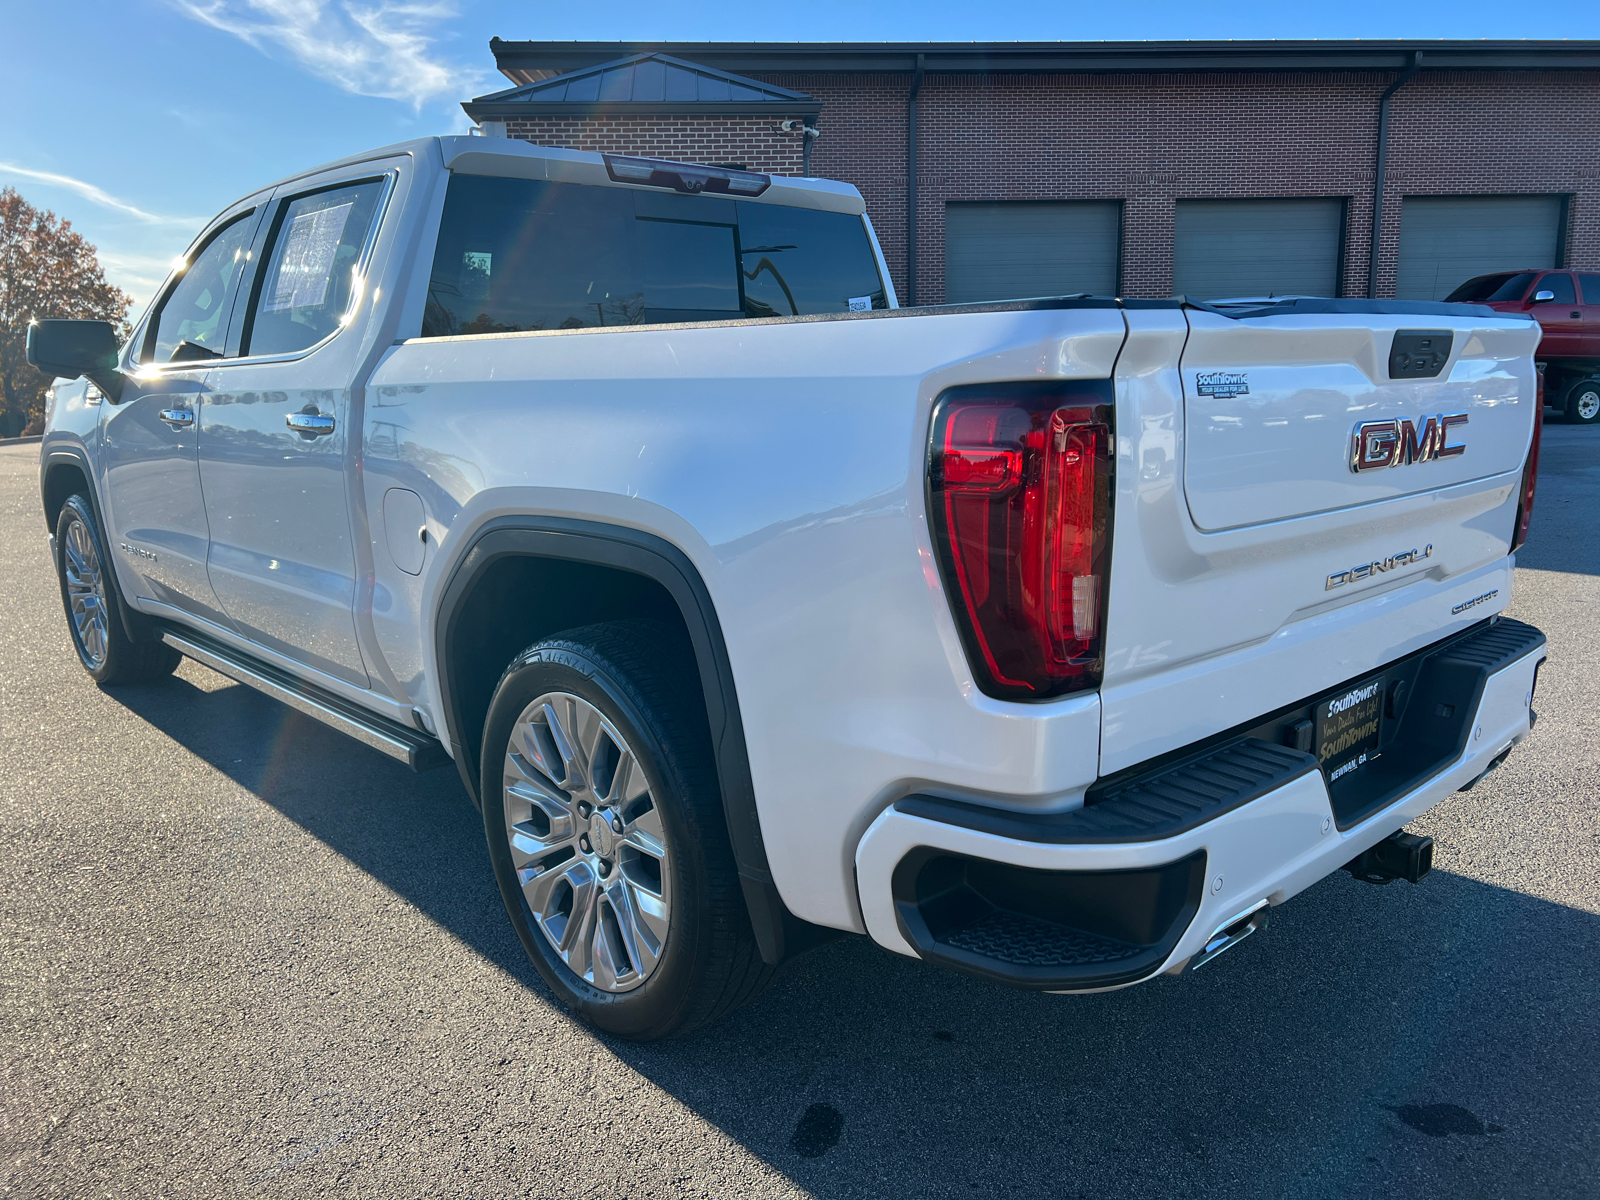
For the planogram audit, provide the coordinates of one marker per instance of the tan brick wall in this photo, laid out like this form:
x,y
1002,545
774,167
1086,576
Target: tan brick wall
x,y
756,142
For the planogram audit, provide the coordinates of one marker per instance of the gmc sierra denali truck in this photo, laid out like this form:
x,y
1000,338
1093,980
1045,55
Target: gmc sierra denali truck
x,y
1053,641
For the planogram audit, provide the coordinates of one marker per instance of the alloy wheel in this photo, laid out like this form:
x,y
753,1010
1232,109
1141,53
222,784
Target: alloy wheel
x,y
587,842
86,592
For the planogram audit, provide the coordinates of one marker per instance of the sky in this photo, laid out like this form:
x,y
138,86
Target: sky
x,y
138,120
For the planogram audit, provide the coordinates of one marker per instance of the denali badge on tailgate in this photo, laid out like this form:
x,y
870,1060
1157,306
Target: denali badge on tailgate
x,y
1398,443
1378,566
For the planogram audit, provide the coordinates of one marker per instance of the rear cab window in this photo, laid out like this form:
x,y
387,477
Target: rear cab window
x,y
518,255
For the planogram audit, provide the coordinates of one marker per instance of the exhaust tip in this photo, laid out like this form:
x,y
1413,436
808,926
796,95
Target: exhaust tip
x,y
1229,934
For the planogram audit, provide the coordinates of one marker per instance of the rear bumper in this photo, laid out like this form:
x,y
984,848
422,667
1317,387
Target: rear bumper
x,y
1111,895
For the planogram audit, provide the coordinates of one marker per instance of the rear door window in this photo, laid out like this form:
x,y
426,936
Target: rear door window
x,y
1591,288
518,255
313,251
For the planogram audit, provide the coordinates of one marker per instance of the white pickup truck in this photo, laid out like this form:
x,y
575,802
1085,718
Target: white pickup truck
x,y
1052,641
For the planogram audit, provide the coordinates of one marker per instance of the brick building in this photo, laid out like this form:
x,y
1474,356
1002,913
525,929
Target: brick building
x,y
1141,169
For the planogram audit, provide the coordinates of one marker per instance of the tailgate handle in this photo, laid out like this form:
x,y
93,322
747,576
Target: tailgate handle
x,y
1419,353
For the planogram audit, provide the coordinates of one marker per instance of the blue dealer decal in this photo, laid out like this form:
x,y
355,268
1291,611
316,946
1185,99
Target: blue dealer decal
x,y
1222,385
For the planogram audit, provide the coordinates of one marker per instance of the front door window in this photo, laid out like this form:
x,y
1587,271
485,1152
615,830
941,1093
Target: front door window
x,y
192,323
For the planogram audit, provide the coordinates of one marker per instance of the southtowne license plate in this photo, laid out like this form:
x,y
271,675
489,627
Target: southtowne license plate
x,y
1347,727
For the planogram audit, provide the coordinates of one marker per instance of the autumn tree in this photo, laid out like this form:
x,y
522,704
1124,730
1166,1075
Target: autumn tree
x,y
46,270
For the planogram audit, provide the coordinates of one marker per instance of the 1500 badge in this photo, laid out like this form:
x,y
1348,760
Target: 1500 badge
x,y
1378,566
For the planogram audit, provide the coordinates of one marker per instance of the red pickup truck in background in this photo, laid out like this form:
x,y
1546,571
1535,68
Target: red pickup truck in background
x,y
1567,306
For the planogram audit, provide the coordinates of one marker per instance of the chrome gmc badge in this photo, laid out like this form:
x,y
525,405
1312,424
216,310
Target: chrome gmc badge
x,y
1398,443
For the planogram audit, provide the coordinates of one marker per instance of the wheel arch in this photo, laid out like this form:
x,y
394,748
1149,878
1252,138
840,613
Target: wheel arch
x,y
65,472
620,572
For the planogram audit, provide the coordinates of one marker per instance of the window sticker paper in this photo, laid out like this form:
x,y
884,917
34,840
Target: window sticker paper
x,y
309,251
860,303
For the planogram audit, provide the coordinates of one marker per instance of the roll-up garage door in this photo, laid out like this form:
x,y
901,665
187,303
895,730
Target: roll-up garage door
x,y
1013,249
1446,240
1236,248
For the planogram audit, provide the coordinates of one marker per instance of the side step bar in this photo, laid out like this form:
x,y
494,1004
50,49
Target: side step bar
x,y
416,749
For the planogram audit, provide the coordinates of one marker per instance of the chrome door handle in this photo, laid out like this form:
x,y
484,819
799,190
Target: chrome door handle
x,y
309,423
178,418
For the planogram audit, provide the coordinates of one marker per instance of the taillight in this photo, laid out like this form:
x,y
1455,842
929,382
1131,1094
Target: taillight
x,y
1530,474
1020,490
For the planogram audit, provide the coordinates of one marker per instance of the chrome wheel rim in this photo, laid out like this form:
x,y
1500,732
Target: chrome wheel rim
x,y
1589,403
86,592
587,842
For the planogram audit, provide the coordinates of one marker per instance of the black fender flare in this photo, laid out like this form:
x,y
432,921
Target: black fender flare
x,y
778,932
62,456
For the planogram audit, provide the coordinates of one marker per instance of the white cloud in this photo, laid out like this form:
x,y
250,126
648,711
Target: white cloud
x,y
138,273
385,49
94,194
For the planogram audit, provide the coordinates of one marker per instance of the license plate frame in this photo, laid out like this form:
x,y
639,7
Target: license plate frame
x,y
1347,725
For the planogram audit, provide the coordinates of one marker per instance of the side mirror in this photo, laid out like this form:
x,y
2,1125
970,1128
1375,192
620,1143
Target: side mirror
x,y
1542,295
68,349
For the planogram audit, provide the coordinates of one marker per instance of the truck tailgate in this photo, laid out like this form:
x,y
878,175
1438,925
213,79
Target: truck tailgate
x,y
1271,405
1251,567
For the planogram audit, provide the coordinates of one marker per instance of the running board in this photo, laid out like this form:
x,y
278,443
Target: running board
x,y
416,749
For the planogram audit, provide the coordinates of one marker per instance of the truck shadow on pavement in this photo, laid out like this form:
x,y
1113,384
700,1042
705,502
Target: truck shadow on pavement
x,y
1371,1040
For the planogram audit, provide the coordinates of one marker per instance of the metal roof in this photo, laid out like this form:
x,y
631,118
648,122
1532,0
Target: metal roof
x,y
529,61
642,83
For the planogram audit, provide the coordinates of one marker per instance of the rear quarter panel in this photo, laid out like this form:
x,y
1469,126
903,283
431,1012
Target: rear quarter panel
x,y
786,460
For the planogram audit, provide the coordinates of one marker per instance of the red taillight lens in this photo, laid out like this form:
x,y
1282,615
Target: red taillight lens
x,y
1020,479
1530,475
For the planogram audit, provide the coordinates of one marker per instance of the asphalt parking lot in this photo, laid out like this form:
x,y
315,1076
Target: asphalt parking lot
x,y
244,956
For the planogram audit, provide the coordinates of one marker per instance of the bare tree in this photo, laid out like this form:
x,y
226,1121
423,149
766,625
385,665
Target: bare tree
x,y
46,270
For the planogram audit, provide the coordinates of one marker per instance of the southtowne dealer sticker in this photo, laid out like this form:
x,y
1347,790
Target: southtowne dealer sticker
x,y
1347,728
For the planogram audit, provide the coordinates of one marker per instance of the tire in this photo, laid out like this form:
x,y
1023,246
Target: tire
x,y
1583,401
95,616
605,828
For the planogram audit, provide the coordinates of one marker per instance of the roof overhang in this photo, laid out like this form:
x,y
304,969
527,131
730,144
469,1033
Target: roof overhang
x,y
528,61
642,83
480,111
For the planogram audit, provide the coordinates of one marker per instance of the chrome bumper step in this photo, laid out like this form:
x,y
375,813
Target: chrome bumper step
x,y
416,749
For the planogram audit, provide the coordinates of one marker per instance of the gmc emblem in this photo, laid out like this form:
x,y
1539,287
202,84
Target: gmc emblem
x,y
1397,443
